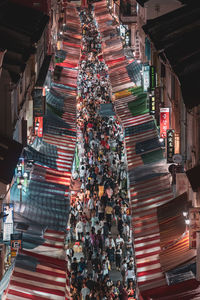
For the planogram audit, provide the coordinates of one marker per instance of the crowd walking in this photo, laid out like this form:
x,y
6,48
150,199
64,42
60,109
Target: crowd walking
x,y
100,221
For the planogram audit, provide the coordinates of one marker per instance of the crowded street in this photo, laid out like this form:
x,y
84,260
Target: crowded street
x,y
99,151
99,221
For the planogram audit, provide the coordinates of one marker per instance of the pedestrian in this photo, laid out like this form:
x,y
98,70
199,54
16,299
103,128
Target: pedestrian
x,y
118,256
120,226
79,230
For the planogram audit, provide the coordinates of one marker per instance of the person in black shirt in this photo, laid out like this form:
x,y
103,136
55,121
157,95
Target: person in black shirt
x,y
74,266
120,226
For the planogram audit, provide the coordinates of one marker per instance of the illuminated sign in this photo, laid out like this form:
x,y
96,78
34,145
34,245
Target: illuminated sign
x,y
8,211
152,77
158,104
152,105
146,78
170,145
194,217
39,126
15,243
164,122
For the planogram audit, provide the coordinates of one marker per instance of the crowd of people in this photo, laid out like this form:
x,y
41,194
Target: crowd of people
x,y
100,215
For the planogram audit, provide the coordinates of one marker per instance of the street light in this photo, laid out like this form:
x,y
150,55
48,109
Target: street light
x,y
187,222
19,186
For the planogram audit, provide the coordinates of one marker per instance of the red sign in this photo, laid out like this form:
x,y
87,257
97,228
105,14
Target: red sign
x,y
164,122
39,126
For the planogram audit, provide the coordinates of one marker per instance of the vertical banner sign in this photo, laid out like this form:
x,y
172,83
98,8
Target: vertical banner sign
x,y
15,243
157,93
170,145
39,126
8,212
146,79
152,77
164,122
152,105
194,217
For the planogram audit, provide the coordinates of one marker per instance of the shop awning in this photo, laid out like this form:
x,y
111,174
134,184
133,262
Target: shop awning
x,y
177,253
10,152
174,37
171,220
193,177
186,290
40,273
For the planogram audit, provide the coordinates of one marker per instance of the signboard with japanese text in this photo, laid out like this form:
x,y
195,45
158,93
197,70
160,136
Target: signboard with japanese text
x,y
8,210
39,126
170,145
164,122
146,78
194,226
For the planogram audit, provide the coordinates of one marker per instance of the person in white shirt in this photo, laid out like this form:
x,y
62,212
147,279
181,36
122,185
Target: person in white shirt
x,y
130,274
79,230
82,173
84,292
109,241
119,241
97,227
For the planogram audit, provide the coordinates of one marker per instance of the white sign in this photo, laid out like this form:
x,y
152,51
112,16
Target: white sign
x,y
146,78
8,211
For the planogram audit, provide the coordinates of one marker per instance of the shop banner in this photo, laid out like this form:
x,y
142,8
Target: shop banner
x,y
15,243
152,78
8,211
39,126
152,105
146,78
170,145
194,217
164,122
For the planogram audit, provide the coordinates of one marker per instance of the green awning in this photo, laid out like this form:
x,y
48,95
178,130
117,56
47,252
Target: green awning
x,y
139,105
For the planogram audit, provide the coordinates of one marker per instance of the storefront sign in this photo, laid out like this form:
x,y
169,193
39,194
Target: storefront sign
x,y
158,104
194,226
8,210
39,126
152,105
164,122
146,78
170,145
15,243
38,102
152,77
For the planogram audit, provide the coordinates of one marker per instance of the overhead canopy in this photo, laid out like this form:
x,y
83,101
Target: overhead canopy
x,y
10,152
174,37
171,220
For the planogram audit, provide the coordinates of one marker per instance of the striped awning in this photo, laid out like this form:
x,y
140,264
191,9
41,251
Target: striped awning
x,y
186,290
40,273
